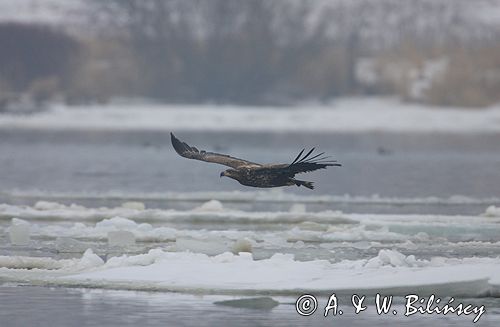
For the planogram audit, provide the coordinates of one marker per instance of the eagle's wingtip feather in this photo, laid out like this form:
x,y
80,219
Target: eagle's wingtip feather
x,y
177,144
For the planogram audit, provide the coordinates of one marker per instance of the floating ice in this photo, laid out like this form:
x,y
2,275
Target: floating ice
x,y
213,211
390,271
362,245
117,223
21,262
298,208
242,245
121,238
393,258
344,233
70,245
40,265
262,303
299,244
88,261
275,196
153,256
492,211
311,225
47,205
134,205
19,232
206,246
322,227
240,273
212,205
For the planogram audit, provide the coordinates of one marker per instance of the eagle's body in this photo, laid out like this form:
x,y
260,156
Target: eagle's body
x,y
258,175
261,177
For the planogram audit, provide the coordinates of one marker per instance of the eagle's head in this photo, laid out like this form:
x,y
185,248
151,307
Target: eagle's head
x,y
231,173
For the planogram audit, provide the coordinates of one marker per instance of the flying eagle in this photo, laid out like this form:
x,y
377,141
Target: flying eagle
x,y
258,175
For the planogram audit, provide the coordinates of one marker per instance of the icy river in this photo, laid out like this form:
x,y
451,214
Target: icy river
x,y
124,232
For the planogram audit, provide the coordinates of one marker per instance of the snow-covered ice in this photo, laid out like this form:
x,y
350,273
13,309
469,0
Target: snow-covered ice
x,y
134,205
227,273
242,245
322,226
492,211
212,205
19,232
215,249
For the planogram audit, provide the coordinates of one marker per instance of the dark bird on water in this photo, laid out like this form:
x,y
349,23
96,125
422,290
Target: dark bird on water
x,y
258,175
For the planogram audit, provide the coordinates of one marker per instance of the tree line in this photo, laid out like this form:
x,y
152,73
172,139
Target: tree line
x,y
257,52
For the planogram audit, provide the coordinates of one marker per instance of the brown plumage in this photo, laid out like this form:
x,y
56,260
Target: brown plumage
x,y
258,175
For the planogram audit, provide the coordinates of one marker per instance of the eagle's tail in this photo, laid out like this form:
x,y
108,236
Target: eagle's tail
x,y
309,185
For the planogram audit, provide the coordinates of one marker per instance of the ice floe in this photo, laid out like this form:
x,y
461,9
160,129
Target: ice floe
x,y
121,238
492,211
227,273
212,211
19,232
128,225
209,246
273,196
215,249
134,205
212,205
40,265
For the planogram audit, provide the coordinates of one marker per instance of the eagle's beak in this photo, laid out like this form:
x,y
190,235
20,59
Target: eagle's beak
x,y
222,174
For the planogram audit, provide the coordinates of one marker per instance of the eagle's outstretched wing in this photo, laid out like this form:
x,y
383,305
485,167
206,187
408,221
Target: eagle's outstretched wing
x,y
303,164
191,152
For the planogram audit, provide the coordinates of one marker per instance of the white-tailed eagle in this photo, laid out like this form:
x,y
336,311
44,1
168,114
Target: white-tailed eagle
x,y
258,175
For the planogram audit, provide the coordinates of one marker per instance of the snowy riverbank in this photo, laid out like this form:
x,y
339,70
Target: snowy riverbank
x,y
343,115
